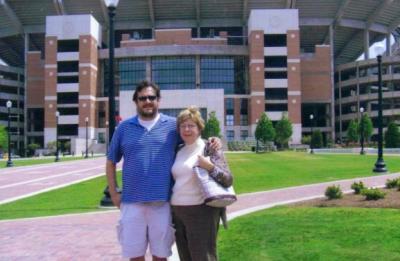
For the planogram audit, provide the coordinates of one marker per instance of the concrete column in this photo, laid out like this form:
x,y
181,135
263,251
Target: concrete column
x,y
26,49
388,51
148,68
198,74
388,46
332,45
366,44
340,107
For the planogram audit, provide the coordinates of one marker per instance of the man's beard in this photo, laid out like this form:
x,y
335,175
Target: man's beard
x,y
147,114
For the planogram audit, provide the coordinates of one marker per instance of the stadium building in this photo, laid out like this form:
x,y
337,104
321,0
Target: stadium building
x,y
239,58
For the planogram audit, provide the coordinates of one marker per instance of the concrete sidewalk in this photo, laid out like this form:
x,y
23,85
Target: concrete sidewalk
x,y
92,236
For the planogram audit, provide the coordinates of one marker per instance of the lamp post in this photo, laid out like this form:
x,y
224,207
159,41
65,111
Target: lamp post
x,y
87,147
9,161
111,5
106,137
380,165
362,152
57,149
311,141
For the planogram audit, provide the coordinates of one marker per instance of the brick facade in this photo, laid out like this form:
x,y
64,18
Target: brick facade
x,y
316,76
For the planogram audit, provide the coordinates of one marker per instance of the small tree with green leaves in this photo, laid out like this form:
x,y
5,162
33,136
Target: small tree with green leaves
x,y
352,131
366,127
316,139
284,131
265,130
3,138
306,139
392,136
211,128
32,147
67,146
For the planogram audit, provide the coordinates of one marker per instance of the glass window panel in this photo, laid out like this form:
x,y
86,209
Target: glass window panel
x,y
174,72
222,72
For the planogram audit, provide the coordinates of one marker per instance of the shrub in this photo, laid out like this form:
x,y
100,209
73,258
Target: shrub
x,y
373,194
316,139
392,183
306,139
333,192
398,184
239,146
357,187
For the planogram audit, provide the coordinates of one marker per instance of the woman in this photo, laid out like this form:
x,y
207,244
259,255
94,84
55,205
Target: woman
x,y
196,223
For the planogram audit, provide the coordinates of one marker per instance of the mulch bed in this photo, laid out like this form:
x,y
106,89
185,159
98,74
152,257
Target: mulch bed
x,y
391,200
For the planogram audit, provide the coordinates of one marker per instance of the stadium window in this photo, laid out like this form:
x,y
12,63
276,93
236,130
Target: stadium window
x,y
275,61
274,40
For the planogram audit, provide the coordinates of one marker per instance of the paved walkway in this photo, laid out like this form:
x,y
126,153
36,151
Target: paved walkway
x,y
92,236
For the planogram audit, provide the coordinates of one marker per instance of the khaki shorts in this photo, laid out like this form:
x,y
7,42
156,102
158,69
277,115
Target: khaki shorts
x,y
143,224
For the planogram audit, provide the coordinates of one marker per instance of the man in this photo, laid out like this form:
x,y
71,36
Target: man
x,y
147,142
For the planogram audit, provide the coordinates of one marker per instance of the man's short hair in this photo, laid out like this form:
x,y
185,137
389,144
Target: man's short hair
x,y
143,85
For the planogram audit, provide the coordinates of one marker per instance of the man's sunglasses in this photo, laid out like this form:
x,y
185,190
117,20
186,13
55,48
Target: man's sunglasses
x,y
144,98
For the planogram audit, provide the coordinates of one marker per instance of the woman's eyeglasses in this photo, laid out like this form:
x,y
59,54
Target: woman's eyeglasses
x,y
187,126
149,97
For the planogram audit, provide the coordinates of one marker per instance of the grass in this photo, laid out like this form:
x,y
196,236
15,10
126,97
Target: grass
x,y
286,233
77,198
35,161
258,172
252,172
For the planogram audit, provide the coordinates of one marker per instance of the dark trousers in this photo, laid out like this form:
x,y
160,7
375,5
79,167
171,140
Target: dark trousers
x,y
196,232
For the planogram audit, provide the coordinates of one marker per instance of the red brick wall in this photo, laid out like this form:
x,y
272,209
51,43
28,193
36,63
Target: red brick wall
x,y
35,81
294,75
316,76
50,76
88,59
256,70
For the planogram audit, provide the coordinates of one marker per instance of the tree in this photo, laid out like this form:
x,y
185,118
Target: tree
x,y
3,138
316,139
32,147
67,146
52,145
211,128
352,131
265,131
284,131
392,136
366,127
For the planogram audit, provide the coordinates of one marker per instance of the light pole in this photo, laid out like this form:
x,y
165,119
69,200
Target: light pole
x,y
57,116
106,137
87,123
362,152
9,161
111,5
380,165
311,140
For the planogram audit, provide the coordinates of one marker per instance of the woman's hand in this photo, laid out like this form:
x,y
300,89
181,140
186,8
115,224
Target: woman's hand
x,y
205,163
215,142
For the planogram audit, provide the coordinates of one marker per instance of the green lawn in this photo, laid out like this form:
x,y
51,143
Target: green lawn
x,y
258,172
77,198
252,172
286,233
35,161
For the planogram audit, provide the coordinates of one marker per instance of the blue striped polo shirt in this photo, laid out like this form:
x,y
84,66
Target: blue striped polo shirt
x,y
148,158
